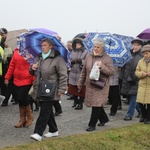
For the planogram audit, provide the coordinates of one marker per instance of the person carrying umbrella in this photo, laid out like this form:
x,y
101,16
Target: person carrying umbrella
x,y
49,66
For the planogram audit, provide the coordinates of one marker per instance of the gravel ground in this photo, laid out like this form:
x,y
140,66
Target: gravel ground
x,y
69,122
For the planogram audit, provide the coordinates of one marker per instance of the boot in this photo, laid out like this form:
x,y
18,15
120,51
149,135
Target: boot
x,y
75,101
22,120
29,116
80,105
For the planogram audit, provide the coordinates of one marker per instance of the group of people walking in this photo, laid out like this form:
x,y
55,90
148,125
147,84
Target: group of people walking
x,y
132,81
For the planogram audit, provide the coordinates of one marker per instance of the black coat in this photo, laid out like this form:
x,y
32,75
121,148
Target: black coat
x,y
130,81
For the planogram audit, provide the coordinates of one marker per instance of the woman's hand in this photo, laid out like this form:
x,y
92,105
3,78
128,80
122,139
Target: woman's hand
x,y
59,94
148,74
35,66
6,81
79,88
144,74
99,63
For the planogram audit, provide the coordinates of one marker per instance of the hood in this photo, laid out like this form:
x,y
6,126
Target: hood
x,y
77,40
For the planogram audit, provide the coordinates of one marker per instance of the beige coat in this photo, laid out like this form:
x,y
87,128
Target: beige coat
x,y
96,97
143,95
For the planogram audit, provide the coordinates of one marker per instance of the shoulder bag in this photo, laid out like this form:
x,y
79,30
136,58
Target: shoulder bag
x,y
46,89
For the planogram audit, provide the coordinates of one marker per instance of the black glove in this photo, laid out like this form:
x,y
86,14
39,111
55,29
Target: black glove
x,y
79,61
73,62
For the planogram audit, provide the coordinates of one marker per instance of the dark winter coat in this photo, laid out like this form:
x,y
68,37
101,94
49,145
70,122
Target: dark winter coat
x,y
130,81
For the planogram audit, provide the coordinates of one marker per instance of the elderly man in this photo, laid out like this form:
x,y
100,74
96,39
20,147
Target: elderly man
x,y
130,81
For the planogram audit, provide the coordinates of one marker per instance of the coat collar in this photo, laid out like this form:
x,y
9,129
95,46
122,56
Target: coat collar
x,y
100,55
53,54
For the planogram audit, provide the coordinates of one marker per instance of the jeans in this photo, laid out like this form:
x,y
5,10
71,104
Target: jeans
x,y
132,105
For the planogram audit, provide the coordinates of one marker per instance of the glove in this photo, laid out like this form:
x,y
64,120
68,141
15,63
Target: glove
x,y
79,61
73,62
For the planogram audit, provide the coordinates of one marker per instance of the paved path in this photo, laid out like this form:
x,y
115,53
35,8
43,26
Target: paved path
x,y
70,122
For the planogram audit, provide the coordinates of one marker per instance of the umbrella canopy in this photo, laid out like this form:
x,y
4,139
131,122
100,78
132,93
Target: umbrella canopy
x,y
29,45
126,40
114,47
45,31
81,35
145,34
11,39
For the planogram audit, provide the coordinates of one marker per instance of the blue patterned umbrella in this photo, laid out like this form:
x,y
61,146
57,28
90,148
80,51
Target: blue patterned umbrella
x,y
126,40
114,47
29,45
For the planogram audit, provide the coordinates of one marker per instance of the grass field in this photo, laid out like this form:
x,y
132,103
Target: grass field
x,y
135,137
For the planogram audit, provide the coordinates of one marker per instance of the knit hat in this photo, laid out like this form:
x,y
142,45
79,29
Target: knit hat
x,y
146,48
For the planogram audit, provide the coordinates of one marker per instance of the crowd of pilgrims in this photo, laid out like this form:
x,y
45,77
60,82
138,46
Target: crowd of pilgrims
x,y
19,83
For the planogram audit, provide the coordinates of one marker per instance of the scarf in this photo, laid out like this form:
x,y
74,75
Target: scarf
x,y
44,56
147,62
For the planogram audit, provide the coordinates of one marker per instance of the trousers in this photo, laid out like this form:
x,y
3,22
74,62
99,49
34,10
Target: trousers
x,y
46,117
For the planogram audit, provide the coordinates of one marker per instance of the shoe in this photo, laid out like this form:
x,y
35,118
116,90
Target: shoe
x,y
49,134
15,103
79,106
146,122
70,98
90,128
101,124
139,115
36,109
126,118
141,120
36,137
112,114
58,113
74,105
119,107
12,100
4,105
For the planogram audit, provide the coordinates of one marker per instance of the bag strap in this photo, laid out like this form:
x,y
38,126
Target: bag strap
x,y
41,60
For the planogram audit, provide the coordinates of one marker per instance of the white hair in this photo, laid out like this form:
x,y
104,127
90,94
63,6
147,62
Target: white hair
x,y
99,41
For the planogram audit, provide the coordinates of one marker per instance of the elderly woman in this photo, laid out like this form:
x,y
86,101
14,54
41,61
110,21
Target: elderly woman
x,y
143,73
96,97
77,58
51,67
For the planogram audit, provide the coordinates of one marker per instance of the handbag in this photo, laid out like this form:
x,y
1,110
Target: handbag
x,y
98,83
46,90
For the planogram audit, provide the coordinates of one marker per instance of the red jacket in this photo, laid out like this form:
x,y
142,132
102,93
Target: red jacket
x,y
19,69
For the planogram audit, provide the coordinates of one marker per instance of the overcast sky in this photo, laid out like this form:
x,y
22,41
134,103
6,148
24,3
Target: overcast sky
x,y
70,17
